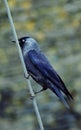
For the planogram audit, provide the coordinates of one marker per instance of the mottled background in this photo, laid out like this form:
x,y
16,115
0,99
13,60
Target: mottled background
x,y
56,25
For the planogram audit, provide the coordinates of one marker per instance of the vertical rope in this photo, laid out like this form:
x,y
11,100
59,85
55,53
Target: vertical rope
x,y
23,65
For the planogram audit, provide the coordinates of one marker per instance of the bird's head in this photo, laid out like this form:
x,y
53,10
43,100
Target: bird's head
x,y
23,41
27,43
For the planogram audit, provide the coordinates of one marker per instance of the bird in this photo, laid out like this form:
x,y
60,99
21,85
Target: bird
x,y
40,69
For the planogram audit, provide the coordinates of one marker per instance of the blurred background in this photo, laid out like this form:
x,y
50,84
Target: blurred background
x,y
56,25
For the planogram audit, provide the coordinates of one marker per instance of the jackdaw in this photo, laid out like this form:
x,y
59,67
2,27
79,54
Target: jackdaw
x,y
41,71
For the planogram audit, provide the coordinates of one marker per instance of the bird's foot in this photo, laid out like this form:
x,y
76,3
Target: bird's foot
x,y
36,92
43,89
32,97
26,76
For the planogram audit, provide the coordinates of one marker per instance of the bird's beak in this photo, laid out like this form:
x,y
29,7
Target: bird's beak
x,y
13,41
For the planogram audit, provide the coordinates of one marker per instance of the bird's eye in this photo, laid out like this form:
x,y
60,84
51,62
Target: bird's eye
x,y
23,40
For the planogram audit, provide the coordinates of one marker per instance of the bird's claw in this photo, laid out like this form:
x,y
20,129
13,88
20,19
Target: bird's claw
x,y
32,97
26,76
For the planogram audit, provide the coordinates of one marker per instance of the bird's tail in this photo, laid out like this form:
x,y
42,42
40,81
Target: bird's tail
x,y
59,94
64,90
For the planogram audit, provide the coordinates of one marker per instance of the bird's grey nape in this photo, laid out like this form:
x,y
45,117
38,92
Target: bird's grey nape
x,y
31,44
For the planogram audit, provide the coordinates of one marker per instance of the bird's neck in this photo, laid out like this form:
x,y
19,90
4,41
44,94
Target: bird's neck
x,y
27,48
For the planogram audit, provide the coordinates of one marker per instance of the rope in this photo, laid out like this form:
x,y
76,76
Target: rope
x,y
23,65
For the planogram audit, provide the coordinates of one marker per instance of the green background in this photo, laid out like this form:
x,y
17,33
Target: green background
x,y
56,25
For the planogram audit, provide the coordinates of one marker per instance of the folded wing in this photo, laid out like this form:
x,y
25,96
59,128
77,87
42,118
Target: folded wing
x,y
42,64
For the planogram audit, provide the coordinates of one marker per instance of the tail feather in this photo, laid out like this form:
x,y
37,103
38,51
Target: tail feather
x,y
67,93
63,88
69,96
60,95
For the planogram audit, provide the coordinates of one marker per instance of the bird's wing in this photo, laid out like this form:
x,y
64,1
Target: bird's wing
x,y
41,63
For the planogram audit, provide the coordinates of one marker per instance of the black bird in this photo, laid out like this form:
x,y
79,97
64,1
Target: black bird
x,y
40,69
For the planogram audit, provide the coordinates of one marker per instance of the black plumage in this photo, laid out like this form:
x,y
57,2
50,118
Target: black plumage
x,y
40,69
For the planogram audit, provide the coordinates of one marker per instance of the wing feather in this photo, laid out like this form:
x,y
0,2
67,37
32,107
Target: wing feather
x,y
40,62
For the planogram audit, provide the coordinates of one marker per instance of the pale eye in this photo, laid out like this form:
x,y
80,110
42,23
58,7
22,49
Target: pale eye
x,y
23,40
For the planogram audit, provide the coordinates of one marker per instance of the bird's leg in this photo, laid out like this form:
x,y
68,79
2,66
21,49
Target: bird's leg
x,y
43,89
26,76
32,96
29,74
